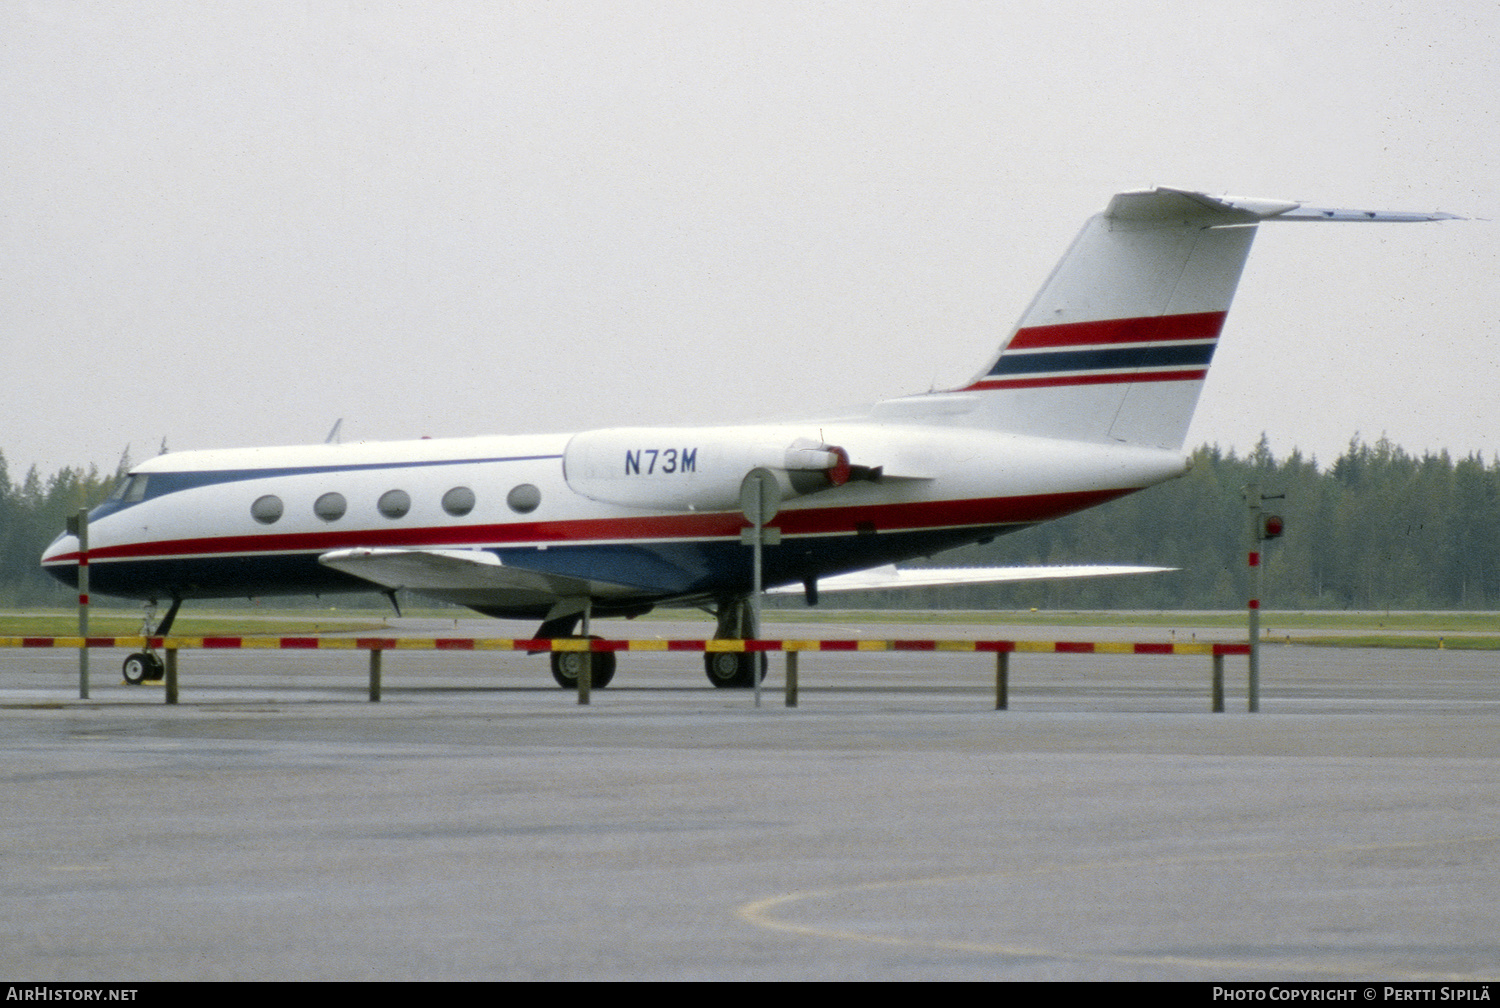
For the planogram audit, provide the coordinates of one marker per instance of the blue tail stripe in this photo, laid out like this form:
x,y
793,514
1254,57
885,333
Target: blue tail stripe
x,y
1191,355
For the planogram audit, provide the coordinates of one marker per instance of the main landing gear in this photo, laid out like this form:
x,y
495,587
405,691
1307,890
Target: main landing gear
x,y
147,665
725,669
735,669
567,666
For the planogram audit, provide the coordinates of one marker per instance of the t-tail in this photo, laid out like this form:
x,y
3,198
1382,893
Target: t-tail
x,y
1117,344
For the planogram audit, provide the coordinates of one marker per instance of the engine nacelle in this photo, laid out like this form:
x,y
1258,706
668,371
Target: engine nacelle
x,y
695,468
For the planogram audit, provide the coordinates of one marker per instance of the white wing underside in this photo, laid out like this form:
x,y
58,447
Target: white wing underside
x,y
449,572
462,573
932,577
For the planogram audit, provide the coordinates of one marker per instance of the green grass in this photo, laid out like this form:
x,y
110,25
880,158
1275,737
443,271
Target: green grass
x,y
228,625
1469,631
1465,643
1435,622
1457,630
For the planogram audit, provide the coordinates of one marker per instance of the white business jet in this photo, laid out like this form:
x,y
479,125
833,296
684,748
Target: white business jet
x,y
1087,400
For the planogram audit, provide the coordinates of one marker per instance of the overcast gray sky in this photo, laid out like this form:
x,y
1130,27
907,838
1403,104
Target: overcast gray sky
x,y
233,224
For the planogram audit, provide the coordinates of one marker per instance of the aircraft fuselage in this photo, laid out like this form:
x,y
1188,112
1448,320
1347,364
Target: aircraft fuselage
x,y
252,522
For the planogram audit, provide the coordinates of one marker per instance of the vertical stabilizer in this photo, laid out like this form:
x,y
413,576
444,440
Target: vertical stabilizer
x,y
1117,344
1118,341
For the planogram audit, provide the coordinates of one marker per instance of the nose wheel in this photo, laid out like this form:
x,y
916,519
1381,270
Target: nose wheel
x,y
142,666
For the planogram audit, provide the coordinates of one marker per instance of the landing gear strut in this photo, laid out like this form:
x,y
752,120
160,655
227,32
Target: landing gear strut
x,y
735,669
147,664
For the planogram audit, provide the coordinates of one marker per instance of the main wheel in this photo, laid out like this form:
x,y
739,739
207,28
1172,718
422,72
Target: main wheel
x,y
734,669
141,666
567,666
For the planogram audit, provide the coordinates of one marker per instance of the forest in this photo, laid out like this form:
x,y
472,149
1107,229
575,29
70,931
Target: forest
x,y
1379,528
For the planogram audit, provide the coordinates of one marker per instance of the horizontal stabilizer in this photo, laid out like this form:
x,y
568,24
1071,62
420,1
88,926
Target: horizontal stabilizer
x,y
1166,204
933,577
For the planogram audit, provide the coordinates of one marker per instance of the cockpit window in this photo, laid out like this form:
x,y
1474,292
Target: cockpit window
x,y
131,490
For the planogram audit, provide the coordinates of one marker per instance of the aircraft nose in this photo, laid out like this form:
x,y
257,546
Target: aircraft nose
x,y
55,558
65,543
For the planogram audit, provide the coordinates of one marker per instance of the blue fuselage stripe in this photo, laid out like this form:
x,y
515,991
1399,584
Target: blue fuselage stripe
x,y
159,484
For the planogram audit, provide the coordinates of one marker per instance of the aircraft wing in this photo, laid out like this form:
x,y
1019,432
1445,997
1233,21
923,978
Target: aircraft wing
x,y
445,573
929,577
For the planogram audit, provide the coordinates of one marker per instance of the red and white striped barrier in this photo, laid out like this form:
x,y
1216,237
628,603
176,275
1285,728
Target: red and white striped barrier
x,y
648,644
376,646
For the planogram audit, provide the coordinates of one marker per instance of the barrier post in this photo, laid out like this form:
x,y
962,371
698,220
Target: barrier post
x,y
79,525
171,676
1002,680
1218,684
375,660
791,678
586,672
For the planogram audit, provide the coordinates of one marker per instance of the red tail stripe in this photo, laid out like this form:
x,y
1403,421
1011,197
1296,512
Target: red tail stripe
x,y
1153,329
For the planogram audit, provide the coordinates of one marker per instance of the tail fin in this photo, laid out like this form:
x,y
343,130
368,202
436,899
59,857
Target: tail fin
x,y
1117,344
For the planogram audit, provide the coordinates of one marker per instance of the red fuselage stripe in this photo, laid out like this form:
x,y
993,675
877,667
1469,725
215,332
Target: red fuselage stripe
x,y
682,527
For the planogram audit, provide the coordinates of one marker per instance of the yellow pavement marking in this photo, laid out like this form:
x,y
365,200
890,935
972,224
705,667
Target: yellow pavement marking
x,y
760,913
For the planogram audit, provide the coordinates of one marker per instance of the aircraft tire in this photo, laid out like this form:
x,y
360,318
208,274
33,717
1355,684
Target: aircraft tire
x,y
734,669
141,666
567,665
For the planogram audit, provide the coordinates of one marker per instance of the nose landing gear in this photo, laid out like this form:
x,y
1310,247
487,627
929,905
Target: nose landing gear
x,y
141,666
147,665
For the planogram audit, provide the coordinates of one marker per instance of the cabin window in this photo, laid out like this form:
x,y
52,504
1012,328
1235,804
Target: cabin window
x,y
330,506
524,498
394,503
266,510
459,501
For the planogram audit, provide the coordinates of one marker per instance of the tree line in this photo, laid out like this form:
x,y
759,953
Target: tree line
x,y
1379,528
32,513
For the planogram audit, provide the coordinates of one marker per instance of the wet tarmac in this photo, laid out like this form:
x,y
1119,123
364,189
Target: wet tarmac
x,y
478,823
